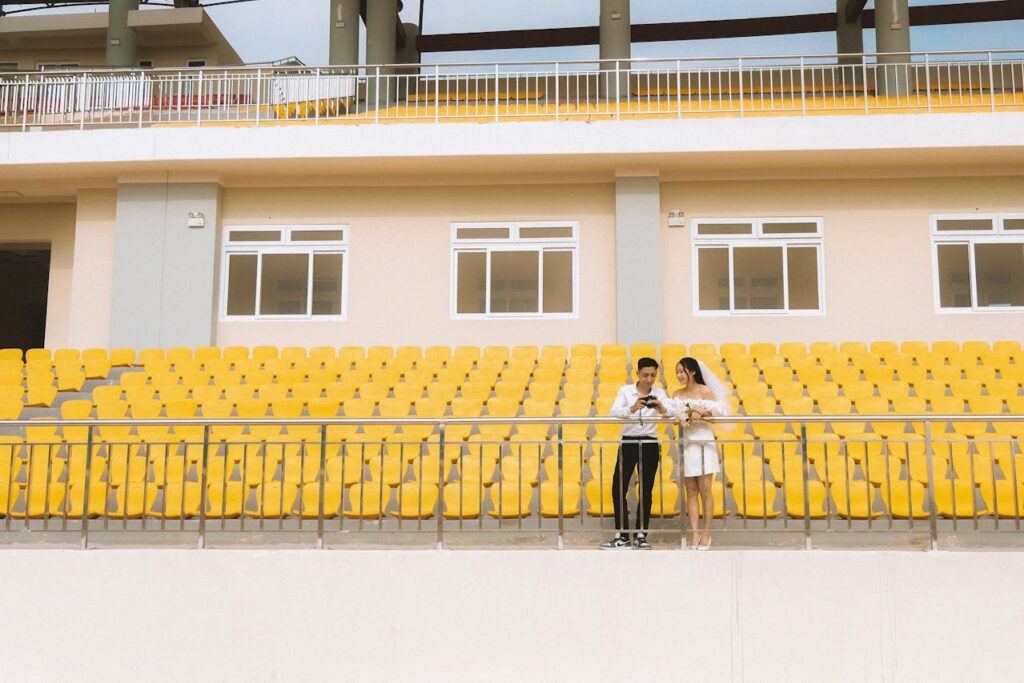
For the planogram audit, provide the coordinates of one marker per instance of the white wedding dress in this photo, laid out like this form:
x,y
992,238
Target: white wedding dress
x,y
700,451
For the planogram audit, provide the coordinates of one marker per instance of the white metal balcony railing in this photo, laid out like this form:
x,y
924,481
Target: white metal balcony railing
x,y
200,481
517,91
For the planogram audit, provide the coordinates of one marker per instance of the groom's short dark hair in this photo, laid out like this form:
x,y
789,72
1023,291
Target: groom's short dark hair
x,y
646,362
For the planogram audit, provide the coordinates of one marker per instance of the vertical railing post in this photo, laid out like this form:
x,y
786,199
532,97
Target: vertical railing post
x,y
88,485
497,97
803,90
681,483
805,475
316,113
24,106
991,82
927,83
376,95
864,80
437,93
740,62
561,489
557,91
259,89
932,515
199,100
440,486
203,498
618,95
322,481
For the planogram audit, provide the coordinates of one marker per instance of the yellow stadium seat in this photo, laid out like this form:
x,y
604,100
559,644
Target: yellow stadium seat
x,y
904,499
974,467
181,500
822,391
955,498
416,500
854,498
599,498
917,467
746,469
367,500
463,500
755,499
549,499
816,506
510,500
1003,498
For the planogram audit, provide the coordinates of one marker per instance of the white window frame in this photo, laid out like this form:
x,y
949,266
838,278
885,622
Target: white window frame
x,y
284,246
997,235
757,238
514,243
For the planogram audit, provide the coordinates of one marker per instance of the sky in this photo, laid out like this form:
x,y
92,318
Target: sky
x,y
270,29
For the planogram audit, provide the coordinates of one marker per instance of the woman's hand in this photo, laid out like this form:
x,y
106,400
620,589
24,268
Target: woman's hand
x,y
695,415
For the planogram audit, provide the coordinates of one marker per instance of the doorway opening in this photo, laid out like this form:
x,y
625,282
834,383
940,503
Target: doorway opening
x,y
24,281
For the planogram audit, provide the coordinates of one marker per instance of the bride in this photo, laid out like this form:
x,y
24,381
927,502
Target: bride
x,y
702,394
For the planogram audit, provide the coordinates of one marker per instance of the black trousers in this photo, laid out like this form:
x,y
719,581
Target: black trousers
x,y
645,454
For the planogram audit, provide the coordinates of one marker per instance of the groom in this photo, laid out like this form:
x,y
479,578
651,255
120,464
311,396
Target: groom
x,y
639,448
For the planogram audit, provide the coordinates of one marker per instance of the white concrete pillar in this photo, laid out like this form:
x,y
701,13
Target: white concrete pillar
x,y
849,34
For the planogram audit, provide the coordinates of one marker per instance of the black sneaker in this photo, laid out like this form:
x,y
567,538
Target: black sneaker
x,y
640,542
617,543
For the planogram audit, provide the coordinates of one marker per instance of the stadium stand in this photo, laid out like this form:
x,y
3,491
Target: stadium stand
x,y
260,468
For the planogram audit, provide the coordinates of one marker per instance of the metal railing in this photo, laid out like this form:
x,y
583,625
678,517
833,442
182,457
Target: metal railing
x,y
918,82
339,481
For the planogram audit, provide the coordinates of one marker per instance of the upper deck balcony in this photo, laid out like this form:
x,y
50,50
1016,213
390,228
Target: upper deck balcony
x,y
810,85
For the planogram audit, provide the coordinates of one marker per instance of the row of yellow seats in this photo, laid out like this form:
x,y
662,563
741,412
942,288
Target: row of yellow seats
x,y
930,359
881,348
876,374
1002,390
859,445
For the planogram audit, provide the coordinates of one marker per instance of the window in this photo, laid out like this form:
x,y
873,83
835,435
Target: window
x,y
979,261
514,270
274,272
758,266
145,63
195,63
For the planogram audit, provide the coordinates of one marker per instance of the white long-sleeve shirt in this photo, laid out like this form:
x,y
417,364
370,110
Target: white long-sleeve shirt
x,y
624,400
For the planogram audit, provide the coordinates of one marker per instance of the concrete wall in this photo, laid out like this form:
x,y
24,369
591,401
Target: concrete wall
x,y
639,292
169,615
53,224
92,272
163,271
400,255
168,57
877,257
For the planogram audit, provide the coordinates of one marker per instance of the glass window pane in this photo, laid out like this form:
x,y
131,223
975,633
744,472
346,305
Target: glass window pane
x,y
713,275
514,276
1013,224
959,224
803,278
999,271
242,284
471,282
482,233
327,279
757,278
558,282
954,276
318,235
791,228
725,228
559,232
254,236
284,284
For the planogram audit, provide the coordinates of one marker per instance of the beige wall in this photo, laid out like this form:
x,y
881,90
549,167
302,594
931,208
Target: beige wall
x,y
877,257
399,256
53,224
89,323
161,56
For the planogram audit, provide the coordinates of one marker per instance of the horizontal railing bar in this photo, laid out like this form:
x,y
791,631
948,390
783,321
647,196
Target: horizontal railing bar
x,y
633,60
740,419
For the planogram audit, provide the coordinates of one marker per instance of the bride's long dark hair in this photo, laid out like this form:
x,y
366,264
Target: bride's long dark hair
x,y
691,365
